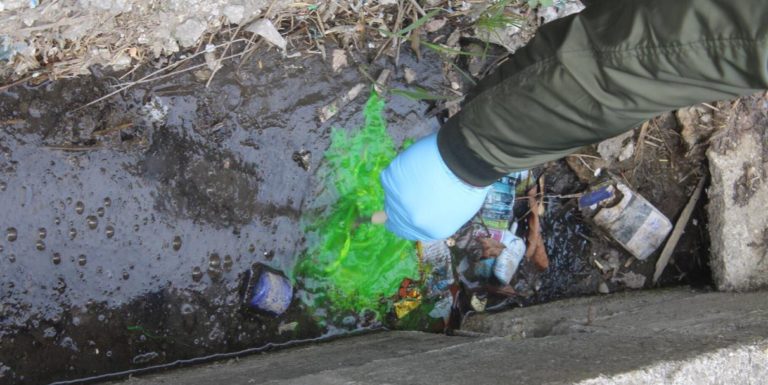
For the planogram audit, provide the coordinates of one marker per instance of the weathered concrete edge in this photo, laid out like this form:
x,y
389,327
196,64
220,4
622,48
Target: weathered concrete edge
x,y
738,194
745,364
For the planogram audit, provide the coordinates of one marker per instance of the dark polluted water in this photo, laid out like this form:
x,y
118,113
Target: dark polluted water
x,y
129,225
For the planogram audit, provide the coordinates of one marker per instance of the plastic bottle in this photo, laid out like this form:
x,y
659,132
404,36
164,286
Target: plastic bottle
x,y
509,260
497,208
497,216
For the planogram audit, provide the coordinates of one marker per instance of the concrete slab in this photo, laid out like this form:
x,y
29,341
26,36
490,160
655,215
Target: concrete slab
x,y
666,336
641,313
738,196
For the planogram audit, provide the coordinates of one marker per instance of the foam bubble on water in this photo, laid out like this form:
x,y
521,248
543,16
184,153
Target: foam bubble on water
x,y
197,274
92,221
11,234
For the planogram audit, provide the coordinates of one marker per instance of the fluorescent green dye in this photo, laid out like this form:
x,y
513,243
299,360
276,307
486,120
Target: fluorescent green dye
x,y
351,264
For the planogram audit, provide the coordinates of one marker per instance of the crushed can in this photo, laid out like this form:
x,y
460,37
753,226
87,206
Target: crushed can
x,y
627,217
267,291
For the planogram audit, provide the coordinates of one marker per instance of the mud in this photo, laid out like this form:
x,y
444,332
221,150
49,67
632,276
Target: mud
x,y
126,226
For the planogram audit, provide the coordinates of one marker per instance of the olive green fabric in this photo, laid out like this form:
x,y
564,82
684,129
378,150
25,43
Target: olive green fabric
x,y
594,75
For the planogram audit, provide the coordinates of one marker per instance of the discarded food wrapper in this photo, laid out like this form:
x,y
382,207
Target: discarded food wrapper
x,y
409,298
600,193
628,218
268,291
442,308
436,260
405,306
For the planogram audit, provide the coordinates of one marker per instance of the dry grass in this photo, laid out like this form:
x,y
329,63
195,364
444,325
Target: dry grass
x,y
124,40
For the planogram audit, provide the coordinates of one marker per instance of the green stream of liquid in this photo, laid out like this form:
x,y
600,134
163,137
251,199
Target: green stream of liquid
x,y
351,264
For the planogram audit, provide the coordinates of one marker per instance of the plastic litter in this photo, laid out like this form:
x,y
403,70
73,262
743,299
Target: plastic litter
x,y
502,249
509,260
627,217
269,291
267,30
436,259
496,212
442,308
497,217
409,298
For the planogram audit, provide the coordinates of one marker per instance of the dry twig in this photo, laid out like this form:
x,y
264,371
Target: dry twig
x,y
677,232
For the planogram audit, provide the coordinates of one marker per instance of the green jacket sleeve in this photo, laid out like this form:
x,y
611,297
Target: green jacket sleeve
x,y
594,75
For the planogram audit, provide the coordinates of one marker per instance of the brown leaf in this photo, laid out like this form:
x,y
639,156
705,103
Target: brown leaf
x,y
536,251
491,247
540,258
506,290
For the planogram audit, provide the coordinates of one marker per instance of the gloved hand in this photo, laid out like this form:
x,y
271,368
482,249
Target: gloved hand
x,y
424,199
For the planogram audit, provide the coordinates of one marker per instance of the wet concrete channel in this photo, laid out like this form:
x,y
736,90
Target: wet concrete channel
x,y
127,225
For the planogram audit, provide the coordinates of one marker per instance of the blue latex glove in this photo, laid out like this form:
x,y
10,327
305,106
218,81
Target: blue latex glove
x,y
424,199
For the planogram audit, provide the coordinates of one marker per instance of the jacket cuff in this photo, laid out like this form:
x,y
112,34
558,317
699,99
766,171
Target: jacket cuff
x,y
462,160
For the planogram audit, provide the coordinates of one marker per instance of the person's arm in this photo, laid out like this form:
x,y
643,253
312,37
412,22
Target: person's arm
x,y
582,79
596,74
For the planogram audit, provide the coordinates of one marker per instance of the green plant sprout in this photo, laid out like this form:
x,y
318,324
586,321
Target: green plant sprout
x,y
494,19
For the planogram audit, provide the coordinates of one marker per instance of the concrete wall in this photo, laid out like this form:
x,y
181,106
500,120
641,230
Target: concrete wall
x,y
653,337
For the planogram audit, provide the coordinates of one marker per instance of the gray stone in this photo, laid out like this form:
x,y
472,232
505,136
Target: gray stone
x,y
234,13
188,32
11,5
696,125
738,197
610,149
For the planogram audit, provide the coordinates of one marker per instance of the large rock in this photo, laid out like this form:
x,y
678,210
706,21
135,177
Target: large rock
x,y
738,196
